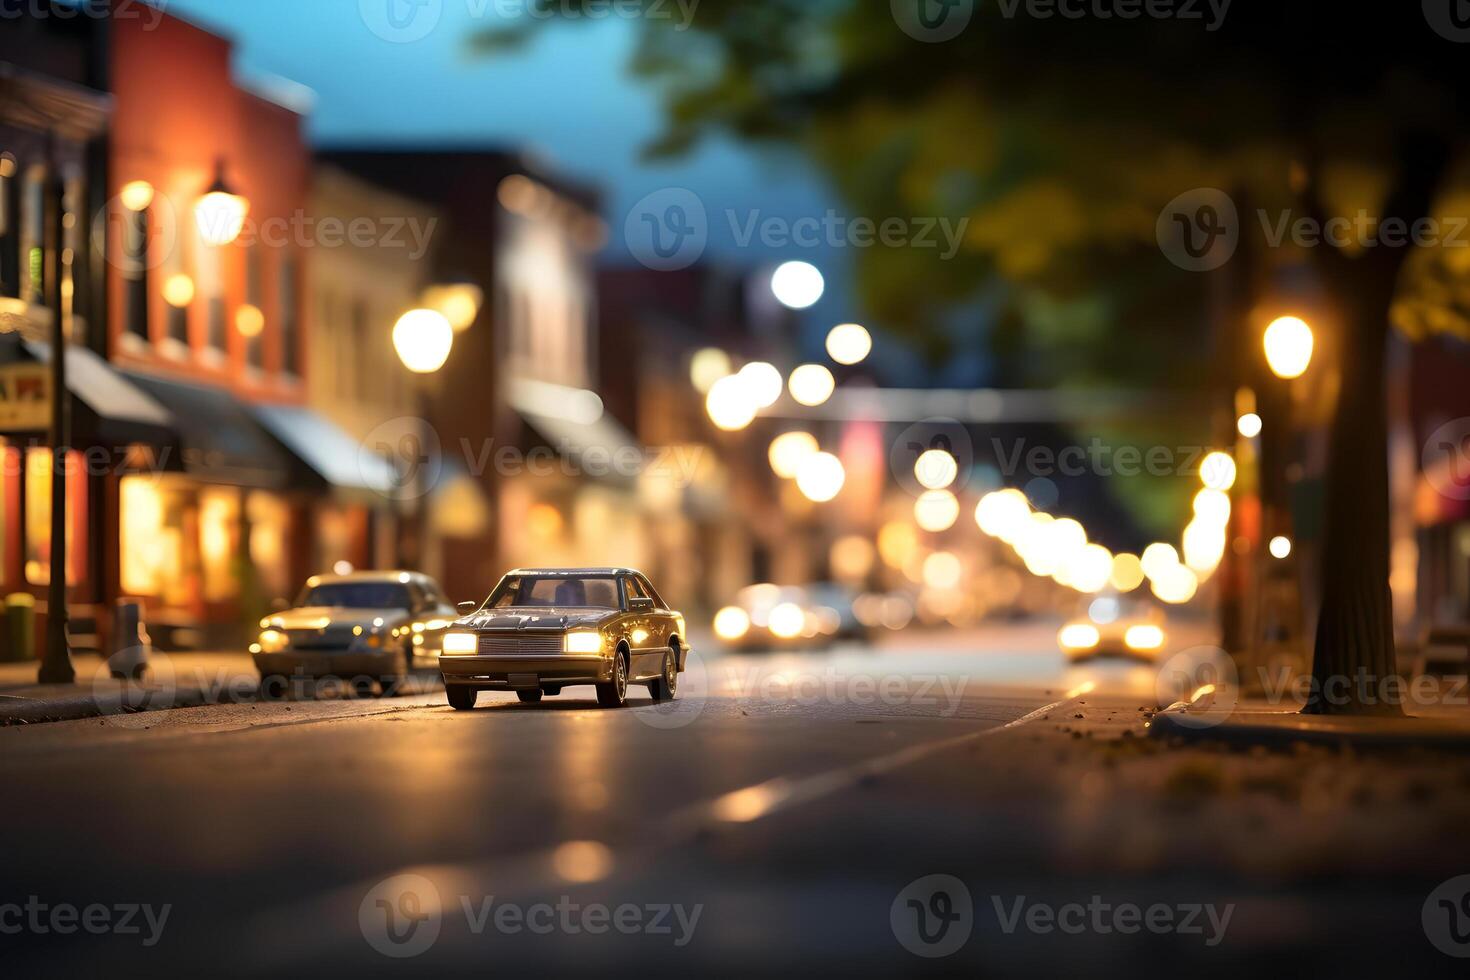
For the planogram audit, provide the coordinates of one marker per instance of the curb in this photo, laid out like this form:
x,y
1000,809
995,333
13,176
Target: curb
x,y
1283,729
32,711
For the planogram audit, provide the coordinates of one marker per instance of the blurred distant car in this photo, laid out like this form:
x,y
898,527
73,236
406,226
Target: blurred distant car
x,y
775,617
543,630
1114,626
366,627
839,599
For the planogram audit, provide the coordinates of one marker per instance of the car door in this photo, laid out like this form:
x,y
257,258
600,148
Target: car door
x,y
643,631
664,625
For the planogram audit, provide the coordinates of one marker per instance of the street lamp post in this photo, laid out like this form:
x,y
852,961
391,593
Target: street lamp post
x,y
56,665
423,339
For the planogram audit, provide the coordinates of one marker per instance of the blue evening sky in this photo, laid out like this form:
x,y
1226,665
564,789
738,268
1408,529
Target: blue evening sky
x,y
567,96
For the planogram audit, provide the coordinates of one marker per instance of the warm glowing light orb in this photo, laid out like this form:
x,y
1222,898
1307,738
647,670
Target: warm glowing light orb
x,y
249,321
789,450
730,405
936,469
731,623
763,382
797,285
178,290
1217,471
812,384
423,339
936,510
136,195
849,343
1280,546
1289,344
820,477
1249,425
708,366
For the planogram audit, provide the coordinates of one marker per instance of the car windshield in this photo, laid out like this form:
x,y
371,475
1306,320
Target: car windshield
x,y
359,595
546,591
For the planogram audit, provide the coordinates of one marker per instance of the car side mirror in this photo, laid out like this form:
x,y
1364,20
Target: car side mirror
x,y
465,608
640,605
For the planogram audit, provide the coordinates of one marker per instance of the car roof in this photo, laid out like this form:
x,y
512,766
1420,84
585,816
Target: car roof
x,y
397,575
606,570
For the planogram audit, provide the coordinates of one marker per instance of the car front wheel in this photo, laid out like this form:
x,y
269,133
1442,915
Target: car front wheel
x,y
614,694
461,698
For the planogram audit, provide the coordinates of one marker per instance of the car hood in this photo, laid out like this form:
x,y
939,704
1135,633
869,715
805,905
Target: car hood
x,y
319,617
540,618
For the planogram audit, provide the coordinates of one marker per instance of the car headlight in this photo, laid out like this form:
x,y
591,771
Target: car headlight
x,y
1144,637
273,641
583,641
460,644
1079,636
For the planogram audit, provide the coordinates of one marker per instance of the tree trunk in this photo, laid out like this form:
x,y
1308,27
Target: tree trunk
x,y
1355,653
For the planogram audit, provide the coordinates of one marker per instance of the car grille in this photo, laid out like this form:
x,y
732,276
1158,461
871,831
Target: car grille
x,y
520,644
331,638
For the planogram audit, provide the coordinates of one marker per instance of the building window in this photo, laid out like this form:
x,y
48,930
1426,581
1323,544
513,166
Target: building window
x,y
39,464
152,518
290,291
33,235
253,326
135,272
9,226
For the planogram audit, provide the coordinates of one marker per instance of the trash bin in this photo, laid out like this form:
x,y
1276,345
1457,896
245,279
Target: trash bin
x,y
20,626
131,645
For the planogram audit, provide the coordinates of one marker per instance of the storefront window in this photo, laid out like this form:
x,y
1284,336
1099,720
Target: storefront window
x,y
219,531
270,529
38,516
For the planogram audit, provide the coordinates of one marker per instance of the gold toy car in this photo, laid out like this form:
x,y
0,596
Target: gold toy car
x,y
543,630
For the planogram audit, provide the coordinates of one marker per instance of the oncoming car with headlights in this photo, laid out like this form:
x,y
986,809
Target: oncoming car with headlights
x,y
543,630
366,627
1114,626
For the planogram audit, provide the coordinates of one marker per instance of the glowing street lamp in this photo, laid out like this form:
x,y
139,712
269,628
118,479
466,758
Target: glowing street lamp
x,y
849,343
423,339
220,213
811,385
136,195
1289,344
820,477
797,285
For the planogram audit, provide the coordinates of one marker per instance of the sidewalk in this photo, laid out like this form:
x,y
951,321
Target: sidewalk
x,y
177,680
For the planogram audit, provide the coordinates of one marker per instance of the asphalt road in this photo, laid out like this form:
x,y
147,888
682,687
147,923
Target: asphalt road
x,y
786,810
